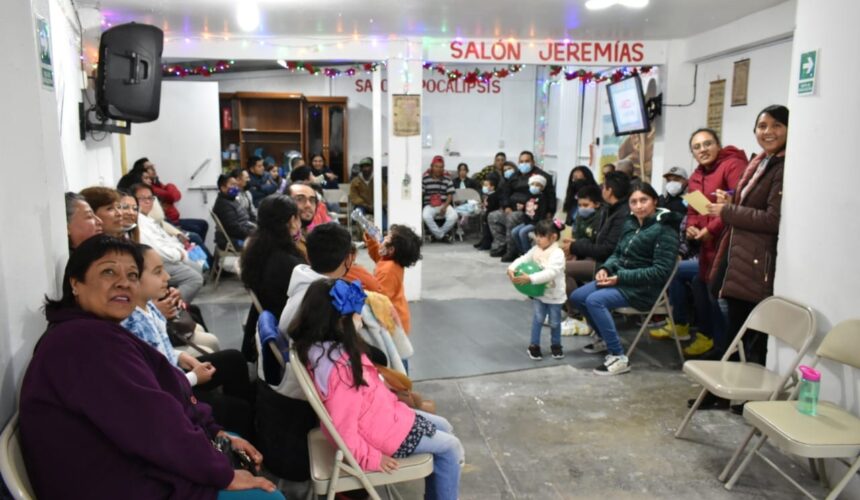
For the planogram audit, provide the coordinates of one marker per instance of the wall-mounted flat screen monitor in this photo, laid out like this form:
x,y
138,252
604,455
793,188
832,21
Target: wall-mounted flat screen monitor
x,y
627,105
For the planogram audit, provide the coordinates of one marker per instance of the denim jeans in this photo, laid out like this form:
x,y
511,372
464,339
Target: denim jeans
x,y
540,312
448,457
687,270
710,318
198,226
520,235
596,305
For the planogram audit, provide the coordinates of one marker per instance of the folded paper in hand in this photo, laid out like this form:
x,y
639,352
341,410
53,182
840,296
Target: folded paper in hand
x,y
698,201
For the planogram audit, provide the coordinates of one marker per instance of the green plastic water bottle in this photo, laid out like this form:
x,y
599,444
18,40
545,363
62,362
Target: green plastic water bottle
x,y
807,395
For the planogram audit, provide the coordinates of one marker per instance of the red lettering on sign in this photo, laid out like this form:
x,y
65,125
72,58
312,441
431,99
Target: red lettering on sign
x,y
585,52
638,56
545,56
625,53
559,53
573,52
456,51
602,50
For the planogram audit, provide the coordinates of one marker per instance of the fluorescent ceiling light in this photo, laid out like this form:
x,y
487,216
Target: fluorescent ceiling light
x,y
605,4
248,15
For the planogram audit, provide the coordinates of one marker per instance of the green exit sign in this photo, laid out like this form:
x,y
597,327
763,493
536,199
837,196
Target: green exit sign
x,y
808,72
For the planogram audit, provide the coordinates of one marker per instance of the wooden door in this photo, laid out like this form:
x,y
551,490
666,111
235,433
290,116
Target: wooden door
x,y
326,132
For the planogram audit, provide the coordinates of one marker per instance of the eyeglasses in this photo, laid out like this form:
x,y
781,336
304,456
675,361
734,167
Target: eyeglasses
x,y
300,198
145,198
702,145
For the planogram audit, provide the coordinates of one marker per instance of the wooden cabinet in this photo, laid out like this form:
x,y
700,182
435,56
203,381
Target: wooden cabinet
x,y
265,124
326,132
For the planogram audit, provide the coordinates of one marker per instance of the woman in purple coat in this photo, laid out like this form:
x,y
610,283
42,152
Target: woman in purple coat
x,y
103,414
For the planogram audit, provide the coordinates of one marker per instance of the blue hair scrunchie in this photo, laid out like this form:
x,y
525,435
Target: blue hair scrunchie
x,y
347,298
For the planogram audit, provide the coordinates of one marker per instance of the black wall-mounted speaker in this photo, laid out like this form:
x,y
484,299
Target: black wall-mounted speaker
x,y
128,83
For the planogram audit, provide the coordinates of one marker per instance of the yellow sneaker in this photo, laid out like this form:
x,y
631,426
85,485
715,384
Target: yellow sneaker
x,y
700,346
665,332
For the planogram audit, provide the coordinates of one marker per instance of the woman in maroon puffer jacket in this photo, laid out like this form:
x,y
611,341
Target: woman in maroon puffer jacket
x,y
746,259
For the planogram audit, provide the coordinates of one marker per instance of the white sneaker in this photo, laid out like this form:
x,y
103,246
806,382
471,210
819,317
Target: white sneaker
x,y
595,347
573,326
613,365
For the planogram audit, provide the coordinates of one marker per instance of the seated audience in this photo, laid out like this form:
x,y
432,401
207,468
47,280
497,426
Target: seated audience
x,y
535,211
719,169
244,196
139,173
326,178
633,276
400,249
463,181
498,162
296,162
361,188
490,203
279,180
232,214
605,169
375,426
260,183
517,195
220,378
578,271
311,212
128,209
105,203
497,220
580,177
81,222
185,274
102,413
437,192
268,259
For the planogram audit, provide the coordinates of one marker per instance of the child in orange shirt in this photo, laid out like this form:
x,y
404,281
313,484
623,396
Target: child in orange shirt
x,y
400,249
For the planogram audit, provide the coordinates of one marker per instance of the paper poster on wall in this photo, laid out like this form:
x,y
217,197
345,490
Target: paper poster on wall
x,y
716,99
43,35
406,115
740,80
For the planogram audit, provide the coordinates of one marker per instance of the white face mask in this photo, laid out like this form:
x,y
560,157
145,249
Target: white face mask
x,y
674,188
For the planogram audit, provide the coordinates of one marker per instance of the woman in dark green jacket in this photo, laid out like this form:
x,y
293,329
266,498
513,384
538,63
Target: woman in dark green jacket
x,y
632,277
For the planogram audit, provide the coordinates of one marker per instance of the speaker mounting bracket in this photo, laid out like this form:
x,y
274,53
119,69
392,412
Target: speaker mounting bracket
x,y
100,124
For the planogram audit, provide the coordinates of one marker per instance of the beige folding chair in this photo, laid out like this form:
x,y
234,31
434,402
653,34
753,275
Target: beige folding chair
x,y
661,306
254,300
789,322
333,468
220,254
832,433
12,463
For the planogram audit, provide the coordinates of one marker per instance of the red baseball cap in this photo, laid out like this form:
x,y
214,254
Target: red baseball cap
x,y
437,158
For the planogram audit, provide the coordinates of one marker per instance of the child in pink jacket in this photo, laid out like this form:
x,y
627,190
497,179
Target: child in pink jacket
x,y
375,426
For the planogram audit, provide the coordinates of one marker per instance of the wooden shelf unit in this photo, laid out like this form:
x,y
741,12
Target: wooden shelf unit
x,y
269,120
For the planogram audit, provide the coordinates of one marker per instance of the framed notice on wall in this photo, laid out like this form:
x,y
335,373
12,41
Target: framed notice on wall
x,y
716,100
406,115
740,78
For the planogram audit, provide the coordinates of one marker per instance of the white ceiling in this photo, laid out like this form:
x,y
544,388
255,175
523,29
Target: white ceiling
x,y
539,19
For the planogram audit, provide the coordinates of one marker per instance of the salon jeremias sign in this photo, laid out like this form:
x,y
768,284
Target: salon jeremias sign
x,y
579,52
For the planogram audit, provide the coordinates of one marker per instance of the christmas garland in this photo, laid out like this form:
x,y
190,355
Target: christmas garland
x,y
198,70
589,76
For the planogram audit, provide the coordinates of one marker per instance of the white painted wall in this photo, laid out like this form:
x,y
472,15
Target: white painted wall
x,y
764,38
817,262
185,135
91,162
479,125
32,202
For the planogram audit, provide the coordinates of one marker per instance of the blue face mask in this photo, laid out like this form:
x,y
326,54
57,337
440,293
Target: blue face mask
x,y
534,190
509,173
585,211
486,190
233,192
525,168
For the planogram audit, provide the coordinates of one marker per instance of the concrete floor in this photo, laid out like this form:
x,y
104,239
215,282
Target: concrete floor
x,y
547,429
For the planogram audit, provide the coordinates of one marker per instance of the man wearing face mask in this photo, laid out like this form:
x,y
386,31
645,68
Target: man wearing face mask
x,y
519,194
676,187
233,216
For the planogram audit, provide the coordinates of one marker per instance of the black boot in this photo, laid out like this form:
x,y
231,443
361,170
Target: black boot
x,y
497,252
510,256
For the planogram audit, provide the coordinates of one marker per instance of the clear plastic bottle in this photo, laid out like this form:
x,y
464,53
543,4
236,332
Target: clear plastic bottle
x,y
368,226
807,395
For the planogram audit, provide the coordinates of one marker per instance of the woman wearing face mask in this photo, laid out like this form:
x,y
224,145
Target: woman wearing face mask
x,y
746,260
128,209
519,195
719,168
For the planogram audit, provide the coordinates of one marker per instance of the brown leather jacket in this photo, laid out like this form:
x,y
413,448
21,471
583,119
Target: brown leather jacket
x,y
752,236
